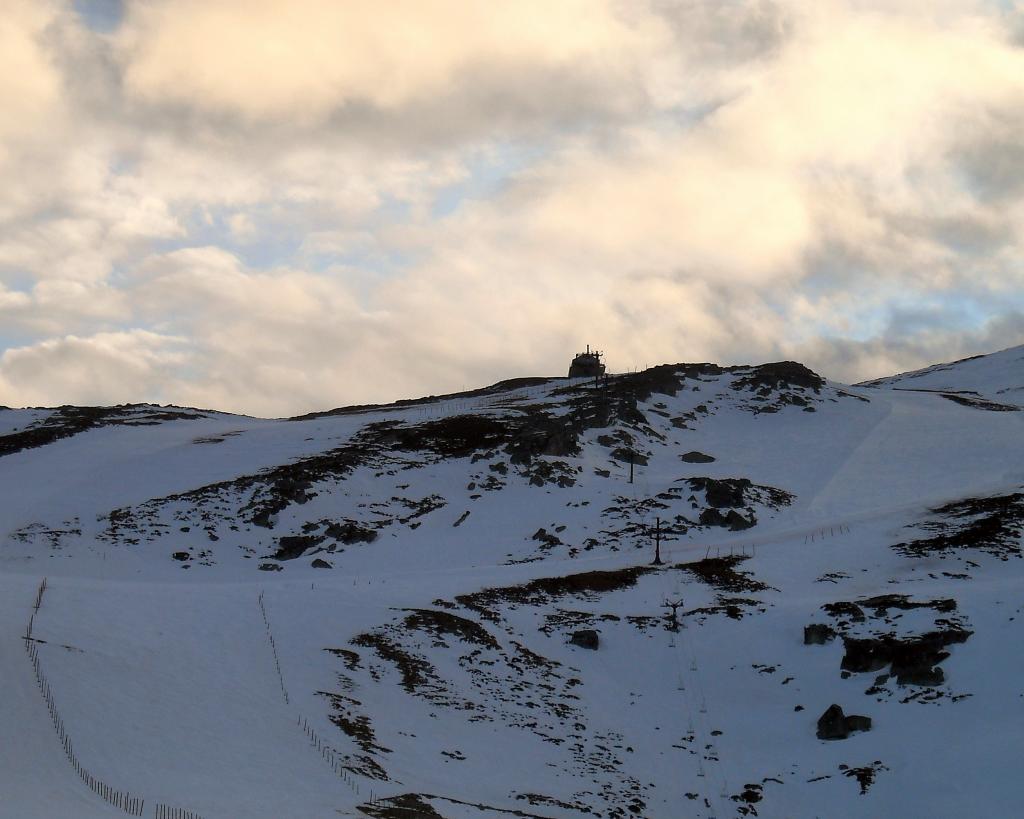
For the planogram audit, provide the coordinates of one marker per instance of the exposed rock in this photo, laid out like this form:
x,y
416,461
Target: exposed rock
x,y
913,659
321,564
542,590
292,546
989,524
444,624
547,538
844,609
857,722
349,532
737,522
818,634
629,456
834,724
733,519
270,567
694,457
182,556
980,403
721,493
67,421
778,375
721,573
883,602
586,638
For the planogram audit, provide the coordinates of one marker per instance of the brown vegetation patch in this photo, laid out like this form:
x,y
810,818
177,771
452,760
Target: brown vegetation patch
x,y
546,589
720,573
443,623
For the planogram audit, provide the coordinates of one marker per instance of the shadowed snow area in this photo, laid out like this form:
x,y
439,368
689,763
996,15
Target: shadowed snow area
x,y
447,607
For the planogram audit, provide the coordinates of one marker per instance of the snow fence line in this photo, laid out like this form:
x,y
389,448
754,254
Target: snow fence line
x,y
750,549
331,755
128,802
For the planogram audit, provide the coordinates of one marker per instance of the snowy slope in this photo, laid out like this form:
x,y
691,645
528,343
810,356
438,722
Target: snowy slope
x,y
261,618
994,378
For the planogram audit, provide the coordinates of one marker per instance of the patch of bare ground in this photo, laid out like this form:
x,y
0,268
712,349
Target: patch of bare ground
x,y
544,590
415,806
991,524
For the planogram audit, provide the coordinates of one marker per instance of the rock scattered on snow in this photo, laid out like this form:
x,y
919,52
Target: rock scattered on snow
x,y
834,724
586,638
817,634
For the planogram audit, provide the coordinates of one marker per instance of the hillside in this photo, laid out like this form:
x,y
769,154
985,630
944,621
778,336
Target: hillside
x,y
372,610
993,379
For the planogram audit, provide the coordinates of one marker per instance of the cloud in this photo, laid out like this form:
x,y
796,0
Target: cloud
x,y
101,369
275,207
897,350
30,83
265,60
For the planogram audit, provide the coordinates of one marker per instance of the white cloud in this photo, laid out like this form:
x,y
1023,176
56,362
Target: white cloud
x,y
30,83
264,59
101,369
690,180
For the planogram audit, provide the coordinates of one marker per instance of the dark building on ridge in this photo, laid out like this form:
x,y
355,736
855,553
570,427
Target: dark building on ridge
x,y
586,365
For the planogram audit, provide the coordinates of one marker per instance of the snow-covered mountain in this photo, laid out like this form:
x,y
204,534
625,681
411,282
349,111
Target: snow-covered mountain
x,y
994,379
448,607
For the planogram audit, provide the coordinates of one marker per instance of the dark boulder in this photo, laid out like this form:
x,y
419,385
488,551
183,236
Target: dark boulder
x,y
695,457
712,517
733,520
547,538
868,654
834,724
857,722
913,659
292,546
737,522
817,634
587,638
349,532
722,493
321,564
629,456
182,556
270,567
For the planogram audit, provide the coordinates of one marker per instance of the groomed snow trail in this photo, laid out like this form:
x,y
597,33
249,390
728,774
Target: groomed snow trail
x,y
180,702
923,450
37,779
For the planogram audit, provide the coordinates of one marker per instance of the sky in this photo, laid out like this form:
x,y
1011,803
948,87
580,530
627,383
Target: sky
x,y
275,207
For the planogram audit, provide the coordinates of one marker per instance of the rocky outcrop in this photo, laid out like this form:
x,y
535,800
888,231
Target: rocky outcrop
x,y
732,519
586,638
834,724
694,457
913,659
817,634
292,546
